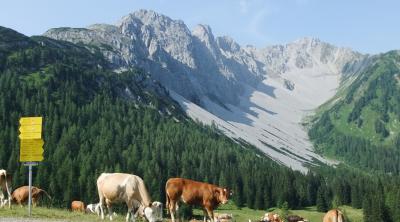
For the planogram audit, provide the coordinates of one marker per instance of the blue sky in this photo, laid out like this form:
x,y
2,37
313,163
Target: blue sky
x,y
369,26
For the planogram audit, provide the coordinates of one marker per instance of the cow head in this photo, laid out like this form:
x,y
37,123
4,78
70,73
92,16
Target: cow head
x,y
222,194
154,212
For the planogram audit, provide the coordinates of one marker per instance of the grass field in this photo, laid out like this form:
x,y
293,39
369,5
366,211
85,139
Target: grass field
x,y
240,215
310,213
52,214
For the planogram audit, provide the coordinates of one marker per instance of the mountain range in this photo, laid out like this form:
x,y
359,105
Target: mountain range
x,y
261,96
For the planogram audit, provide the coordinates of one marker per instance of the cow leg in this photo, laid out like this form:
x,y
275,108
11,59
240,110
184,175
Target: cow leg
x,y
131,211
108,203
205,215
130,215
101,204
210,214
172,209
2,203
9,196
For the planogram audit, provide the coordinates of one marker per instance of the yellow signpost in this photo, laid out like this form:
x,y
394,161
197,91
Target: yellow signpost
x,y
30,129
25,121
30,135
31,147
32,150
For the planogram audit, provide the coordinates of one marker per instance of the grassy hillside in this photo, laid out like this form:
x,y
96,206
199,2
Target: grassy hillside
x,y
362,127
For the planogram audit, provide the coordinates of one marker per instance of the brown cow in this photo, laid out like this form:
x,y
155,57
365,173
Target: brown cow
x,y
334,215
77,206
21,195
5,186
192,192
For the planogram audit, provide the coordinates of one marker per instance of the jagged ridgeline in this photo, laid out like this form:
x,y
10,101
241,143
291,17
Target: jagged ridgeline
x,y
96,120
362,126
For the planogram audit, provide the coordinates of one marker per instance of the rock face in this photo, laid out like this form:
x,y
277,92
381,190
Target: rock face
x,y
258,95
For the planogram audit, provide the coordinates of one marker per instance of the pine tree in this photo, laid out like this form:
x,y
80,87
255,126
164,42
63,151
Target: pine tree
x,y
322,205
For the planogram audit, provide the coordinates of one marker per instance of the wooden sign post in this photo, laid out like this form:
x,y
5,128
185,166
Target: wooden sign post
x,y
31,147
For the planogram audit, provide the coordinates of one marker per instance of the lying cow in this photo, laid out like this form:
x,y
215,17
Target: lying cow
x,y
5,186
192,192
127,188
21,195
295,218
271,217
77,206
223,217
334,215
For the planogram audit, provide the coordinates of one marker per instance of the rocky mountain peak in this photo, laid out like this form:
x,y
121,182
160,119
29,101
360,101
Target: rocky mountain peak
x,y
203,32
308,42
243,85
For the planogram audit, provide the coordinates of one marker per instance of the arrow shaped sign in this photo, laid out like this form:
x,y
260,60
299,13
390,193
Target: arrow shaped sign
x,y
25,136
30,121
30,129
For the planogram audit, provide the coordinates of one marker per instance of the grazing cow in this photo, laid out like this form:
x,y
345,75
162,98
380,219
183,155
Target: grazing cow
x,y
121,187
5,186
77,206
192,192
21,195
334,215
93,208
295,218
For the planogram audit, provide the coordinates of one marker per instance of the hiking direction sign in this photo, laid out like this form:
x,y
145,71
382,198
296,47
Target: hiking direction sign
x,y
31,142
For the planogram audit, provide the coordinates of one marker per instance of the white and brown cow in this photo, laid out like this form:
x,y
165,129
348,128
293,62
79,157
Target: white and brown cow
x,y
5,186
126,188
191,192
